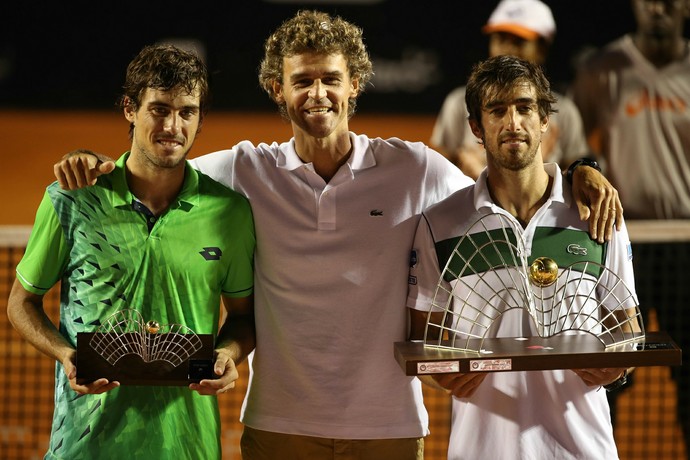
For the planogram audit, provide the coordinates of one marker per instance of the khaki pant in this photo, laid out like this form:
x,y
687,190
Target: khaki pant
x,y
265,445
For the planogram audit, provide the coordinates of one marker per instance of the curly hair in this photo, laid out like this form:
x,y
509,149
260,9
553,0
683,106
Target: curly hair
x,y
497,75
315,31
167,68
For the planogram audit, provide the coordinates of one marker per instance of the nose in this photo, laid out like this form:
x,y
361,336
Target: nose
x,y
173,123
511,118
317,90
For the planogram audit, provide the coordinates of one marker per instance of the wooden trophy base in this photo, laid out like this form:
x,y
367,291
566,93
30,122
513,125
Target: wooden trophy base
x,y
538,353
131,369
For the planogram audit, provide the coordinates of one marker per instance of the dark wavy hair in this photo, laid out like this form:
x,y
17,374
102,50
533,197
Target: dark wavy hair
x,y
497,75
167,68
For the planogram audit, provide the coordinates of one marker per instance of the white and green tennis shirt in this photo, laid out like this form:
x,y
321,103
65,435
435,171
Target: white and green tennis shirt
x,y
549,414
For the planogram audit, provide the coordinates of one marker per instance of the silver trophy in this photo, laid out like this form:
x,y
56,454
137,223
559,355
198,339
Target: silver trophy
x,y
498,308
131,350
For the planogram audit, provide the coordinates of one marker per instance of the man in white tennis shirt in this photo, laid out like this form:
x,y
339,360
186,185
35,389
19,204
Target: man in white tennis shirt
x,y
521,414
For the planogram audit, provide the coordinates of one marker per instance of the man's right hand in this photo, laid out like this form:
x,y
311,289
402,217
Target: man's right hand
x,y
81,168
94,388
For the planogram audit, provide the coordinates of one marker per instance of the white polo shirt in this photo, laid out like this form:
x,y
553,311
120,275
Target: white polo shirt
x,y
331,268
550,414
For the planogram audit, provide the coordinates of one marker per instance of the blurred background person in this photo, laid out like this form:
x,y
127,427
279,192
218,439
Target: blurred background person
x,y
634,97
525,29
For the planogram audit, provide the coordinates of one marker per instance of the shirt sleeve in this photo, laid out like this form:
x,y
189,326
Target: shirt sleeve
x,y
443,177
46,252
240,279
220,165
425,273
619,279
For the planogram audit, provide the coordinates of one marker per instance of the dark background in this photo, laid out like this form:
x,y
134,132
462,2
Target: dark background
x,y
72,55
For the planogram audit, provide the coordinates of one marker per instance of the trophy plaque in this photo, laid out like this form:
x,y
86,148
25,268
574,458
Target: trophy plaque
x,y
127,349
496,309
537,353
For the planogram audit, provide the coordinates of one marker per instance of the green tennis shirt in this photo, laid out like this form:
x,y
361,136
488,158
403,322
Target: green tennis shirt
x,y
101,250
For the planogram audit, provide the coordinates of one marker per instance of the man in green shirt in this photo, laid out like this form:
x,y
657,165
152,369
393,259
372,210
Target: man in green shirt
x,y
155,236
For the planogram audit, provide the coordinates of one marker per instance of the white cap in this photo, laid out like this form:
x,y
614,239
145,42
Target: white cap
x,y
528,19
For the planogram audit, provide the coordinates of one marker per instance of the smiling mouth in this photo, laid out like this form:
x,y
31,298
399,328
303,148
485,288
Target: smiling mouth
x,y
170,142
318,110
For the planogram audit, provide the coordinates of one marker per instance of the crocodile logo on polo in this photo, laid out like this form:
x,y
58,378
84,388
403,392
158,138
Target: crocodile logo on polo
x,y
211,253
576,249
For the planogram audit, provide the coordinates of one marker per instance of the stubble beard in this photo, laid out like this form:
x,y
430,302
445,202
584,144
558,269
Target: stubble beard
x,y
157,162
514,161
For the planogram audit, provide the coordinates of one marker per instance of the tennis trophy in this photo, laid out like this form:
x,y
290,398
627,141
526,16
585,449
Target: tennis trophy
x,y
497,309
132,351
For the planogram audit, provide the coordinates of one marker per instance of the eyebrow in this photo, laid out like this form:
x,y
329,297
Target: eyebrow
x,y
299,76
499,102
157,103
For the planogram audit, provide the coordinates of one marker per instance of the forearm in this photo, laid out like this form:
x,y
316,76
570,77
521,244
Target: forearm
x,y
431,382
102,158
25,312
237,336
596,199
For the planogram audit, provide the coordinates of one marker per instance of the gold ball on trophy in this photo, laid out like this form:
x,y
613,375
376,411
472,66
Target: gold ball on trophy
x,y
153,327
543,271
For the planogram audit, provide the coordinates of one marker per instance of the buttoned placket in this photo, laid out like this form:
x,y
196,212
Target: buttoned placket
x,y
151,219
325,194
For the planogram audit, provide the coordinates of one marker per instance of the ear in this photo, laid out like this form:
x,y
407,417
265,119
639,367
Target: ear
x,y
354,88
129,110
201,122
477,130
278,92
544,124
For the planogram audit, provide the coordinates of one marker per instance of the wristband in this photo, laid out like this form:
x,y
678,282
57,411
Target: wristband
x,y
582,161
616,384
